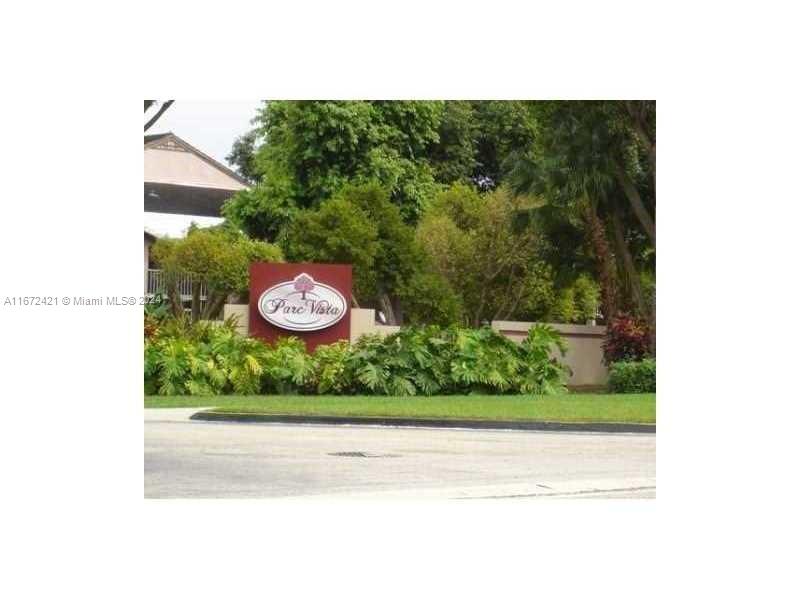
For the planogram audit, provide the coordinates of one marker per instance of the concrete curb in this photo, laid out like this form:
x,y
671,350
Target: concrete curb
x,y
210,415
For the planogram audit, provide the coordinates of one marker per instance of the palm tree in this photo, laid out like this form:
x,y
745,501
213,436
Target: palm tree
x,y
587,161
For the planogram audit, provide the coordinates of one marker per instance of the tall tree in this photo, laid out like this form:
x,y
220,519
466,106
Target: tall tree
x,y
643,122
398,256
606,273
242,156
361,226
321,145
455,156
589,153
310,149
505,128
474,243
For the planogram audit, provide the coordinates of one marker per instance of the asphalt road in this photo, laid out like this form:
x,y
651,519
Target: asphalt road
x,y
194,459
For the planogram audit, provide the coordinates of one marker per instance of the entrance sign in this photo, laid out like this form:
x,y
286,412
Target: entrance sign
x,y
302,304
309,301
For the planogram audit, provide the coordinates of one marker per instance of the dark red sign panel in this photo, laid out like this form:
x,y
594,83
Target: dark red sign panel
x,y
307,300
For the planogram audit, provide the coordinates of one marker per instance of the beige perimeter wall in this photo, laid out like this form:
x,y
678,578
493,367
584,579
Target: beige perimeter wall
x,y
362,320
584,348
584,342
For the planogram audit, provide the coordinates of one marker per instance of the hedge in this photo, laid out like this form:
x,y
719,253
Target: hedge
x,y
632,377
207,359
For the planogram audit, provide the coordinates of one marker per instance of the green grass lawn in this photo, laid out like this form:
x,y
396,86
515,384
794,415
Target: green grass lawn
x,y
567,408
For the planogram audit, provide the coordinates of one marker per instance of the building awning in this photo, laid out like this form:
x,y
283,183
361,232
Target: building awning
x,y
184,200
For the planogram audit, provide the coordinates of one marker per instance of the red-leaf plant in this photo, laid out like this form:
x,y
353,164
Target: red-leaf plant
x,y
627,338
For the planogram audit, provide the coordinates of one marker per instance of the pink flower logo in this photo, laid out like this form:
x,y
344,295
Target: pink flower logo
x,y
303,283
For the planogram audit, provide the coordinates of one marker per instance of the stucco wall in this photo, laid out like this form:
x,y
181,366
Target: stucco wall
x,y
584,349
362,321
242,314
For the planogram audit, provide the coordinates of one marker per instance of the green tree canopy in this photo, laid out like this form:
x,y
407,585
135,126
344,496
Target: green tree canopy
x,y
475,242
265,210
505,128
321,145
311,149
596,159
589,164
338,231
360,225
242,156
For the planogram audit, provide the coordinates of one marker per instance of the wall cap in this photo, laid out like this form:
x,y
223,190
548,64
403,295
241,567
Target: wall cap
x,y
522,327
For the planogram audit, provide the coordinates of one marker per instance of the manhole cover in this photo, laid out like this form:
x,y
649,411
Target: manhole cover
x,y
362,455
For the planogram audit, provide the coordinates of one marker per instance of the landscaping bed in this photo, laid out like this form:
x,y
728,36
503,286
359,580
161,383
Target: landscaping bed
x,y
565,408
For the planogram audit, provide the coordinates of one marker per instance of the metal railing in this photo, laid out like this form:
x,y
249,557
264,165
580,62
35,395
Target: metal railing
x,y
157,283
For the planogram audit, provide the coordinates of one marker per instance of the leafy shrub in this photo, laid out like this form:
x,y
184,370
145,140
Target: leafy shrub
x,y
475,243
217,256
206,359
630,377
543,375
577,303
485,361
379,368
288,368
626,339
155,313
202,359
150,326
331,373
427,298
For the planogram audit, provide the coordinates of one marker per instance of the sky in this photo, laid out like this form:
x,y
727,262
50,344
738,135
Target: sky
x,y
210,126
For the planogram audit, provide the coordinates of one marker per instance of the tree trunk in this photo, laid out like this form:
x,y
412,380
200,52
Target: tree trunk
x,y
175,298
603,260
509,305
195,301
385,306
636,202
476,322
476,318
634,286
397,308
214,303
161,110
639,129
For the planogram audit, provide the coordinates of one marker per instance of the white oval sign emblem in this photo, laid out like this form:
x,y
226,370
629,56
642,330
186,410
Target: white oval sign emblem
x,y
302,304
